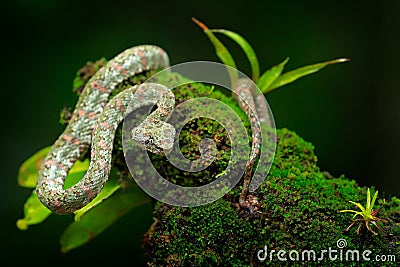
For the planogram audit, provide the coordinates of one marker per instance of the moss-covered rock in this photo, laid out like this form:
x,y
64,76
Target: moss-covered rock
x,y
300,211
299,203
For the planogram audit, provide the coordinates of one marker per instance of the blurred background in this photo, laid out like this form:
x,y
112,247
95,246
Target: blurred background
x,y
350,112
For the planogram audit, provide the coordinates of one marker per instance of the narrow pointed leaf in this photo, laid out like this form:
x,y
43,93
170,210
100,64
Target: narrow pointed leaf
x,y
99,218
293,75
270,76
349,211
368,199
221,51
353,211
110,188
34,212
373,202
27,173
247,49
358,205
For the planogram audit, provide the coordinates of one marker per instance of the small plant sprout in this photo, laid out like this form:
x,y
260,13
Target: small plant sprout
x,y
367,214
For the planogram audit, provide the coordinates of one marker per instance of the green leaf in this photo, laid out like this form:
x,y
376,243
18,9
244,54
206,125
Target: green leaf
x,y
270,76
34,212
368,199
110,188
76,173
247,49
373,202
354,211
27,173
99,218
358,205
293,75
221,51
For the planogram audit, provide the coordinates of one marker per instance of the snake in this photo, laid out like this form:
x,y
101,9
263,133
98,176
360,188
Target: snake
x,y
95,119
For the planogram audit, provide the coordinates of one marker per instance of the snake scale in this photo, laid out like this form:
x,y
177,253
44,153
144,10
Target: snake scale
x,y
95,120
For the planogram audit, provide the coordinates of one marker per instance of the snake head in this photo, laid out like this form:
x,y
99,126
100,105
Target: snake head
x,y
158,139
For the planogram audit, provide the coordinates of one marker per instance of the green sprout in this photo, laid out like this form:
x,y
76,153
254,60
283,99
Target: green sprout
x,y
367,214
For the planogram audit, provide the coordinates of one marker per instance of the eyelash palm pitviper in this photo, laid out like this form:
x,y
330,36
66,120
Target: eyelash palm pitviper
x,y
94,121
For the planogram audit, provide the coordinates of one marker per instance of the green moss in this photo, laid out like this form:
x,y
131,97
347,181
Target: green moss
x,y
299,211
300,203
85,73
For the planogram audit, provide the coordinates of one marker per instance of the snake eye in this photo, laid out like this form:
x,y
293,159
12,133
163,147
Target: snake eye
x,y
148,141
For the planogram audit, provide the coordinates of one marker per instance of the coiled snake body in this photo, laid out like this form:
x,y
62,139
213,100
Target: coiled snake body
x,y
94,121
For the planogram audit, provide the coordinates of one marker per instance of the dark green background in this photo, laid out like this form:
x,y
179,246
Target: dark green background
x,y
350,112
